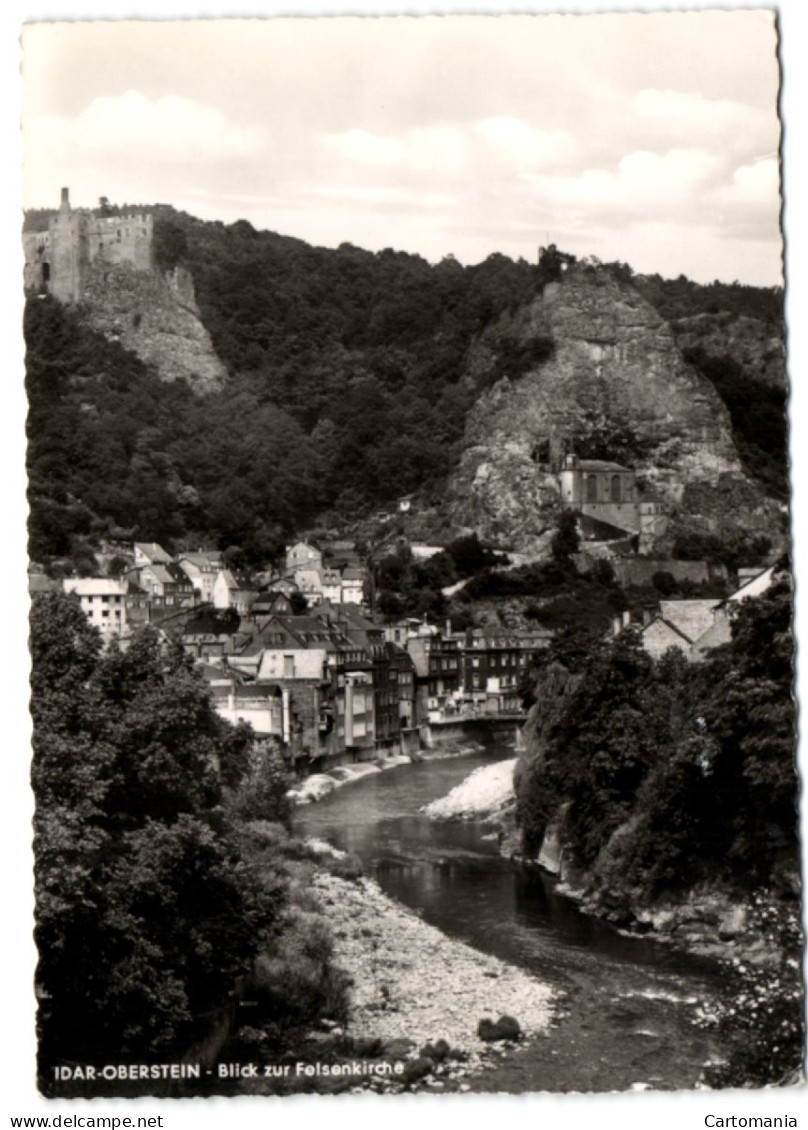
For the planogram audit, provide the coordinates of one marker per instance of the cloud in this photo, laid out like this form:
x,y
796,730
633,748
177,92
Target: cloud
x,y
676,117
171,126
523,145
427,150
643,185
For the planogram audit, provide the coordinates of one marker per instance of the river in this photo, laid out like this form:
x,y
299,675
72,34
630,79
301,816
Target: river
x,y
627,1004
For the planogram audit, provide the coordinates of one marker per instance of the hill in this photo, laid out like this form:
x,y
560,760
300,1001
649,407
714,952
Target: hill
x,y
349,378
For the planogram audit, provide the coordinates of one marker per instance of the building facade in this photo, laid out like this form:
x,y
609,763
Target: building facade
x,y
57,261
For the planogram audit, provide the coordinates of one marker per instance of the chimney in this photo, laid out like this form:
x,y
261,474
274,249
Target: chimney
x,y
65,204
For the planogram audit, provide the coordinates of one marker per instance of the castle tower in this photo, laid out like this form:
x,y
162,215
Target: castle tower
x,y
61,261
68,251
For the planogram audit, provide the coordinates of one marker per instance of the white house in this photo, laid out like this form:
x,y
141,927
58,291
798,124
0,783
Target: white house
x,y
103,602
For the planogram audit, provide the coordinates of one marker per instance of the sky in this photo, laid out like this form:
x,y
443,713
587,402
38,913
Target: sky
x,y
650,137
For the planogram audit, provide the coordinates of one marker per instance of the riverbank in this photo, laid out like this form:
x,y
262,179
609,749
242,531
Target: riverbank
x,y
706,921
486,794
319,785
413,987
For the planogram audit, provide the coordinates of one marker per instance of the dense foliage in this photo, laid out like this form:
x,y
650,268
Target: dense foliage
x,y
345,392
683,298
667,777
766,1000
151,895
693,764
759,415
349,386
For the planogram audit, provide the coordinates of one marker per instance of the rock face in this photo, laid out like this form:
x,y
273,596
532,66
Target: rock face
x,y
156,317
616,387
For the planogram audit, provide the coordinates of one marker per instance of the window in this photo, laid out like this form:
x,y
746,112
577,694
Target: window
x,y
288,666
592,488
616,493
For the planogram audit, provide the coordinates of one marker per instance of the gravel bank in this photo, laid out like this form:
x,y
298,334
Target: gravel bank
x,y
485,793
412,983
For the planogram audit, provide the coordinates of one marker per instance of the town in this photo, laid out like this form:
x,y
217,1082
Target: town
x,y
307,661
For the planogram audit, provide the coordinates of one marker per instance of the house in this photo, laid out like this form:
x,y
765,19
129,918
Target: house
x,y
698,626
437,661
392,671
309,583
659,635
229,593
166,581
494,661
270,604
264,706
301,555
329,677
150,553
353,586
690,617
331,587
201,568
103,602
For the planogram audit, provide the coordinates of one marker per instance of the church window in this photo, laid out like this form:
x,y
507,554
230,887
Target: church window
x,y
592,488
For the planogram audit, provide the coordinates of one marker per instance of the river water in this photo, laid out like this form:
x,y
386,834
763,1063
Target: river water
x,y
626,1005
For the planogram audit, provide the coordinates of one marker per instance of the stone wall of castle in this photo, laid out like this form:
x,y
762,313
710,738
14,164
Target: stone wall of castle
x,y
57,261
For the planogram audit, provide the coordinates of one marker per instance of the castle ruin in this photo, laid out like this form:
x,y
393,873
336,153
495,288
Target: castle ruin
x,y
56,261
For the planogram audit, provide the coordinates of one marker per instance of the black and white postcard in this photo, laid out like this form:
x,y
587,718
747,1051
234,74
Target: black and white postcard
x,y
410,559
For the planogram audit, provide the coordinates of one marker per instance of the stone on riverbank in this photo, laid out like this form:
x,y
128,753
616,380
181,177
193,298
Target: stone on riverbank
x,y
484,794
411,982
506,1028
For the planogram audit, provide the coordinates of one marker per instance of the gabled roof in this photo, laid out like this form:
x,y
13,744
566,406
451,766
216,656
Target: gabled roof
x,y
178,575
155,553
204,561
691,617
755,586
161,573
667,623
232,584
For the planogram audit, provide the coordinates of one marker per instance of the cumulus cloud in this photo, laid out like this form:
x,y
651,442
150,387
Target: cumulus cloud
x,y
521,144
428,150
171,125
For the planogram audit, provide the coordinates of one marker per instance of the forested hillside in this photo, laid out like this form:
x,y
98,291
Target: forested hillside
x,y
349,386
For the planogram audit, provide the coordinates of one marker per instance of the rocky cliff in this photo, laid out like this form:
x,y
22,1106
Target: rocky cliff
x,y
615,387
155,316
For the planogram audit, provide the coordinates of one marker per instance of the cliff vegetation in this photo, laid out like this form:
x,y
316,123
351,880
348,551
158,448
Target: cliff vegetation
x,y
344,379
666,795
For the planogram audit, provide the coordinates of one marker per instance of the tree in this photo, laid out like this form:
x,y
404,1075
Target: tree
x,y
145,909
566,540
